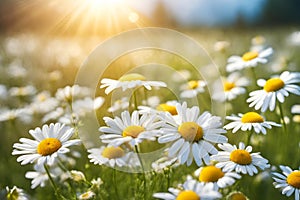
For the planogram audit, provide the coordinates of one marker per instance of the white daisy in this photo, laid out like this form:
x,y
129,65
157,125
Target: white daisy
x,y
296,111
240,159
192,88
258,43
169,106
22,91
288,181
191,190
16,194
120,104
129,81
111,156
215,175
50,142
163,163
235,195
68,93
13,114
233,86
43,103
192,136
181,75
248,59
248,121
130,129
221,46
87,195
274,88
40,177
53,115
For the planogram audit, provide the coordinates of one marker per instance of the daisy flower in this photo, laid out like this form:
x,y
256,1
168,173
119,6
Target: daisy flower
x,y
296,111
233,86
288,181
13,114
248,121
130,129
40,177
248,59
69,92
274,88
240,159
169,106
22,91
191,135
108,155
50,142
236,196
163,163
192,88
87,195
16,194
191,190
215,175
129,81
120,104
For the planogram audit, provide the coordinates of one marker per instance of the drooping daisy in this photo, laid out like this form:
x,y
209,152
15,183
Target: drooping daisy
x,y
248,121
108,155
130,129
129,81
16,194
248,59
50,142
192,136
274,88
191,190
233,86
215,175
239,159
288,181
192,88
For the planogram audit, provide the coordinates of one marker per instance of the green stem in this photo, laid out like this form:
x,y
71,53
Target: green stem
x,y
58,196
253,74
249,137
143,170
145,95
115,182
135,100
282,117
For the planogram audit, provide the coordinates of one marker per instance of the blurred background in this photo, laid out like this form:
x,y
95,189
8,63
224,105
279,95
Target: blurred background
x,y
107,17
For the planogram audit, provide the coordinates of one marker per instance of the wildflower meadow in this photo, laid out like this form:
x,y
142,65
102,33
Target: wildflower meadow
x,y
151,114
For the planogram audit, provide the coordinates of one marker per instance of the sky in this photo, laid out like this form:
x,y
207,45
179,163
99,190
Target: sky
x,y
206,12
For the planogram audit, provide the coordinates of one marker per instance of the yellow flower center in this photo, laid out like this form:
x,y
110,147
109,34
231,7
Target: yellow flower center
x,y
210,174
190,131
132,77
293,179
237,196
273,84
241,157
250,55
187,195
113,152
252,117
48,146
192,84
133,131
41,97
168,108
228,86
